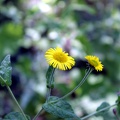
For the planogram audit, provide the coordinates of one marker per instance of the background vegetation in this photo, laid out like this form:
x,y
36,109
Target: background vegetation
x,y
82,27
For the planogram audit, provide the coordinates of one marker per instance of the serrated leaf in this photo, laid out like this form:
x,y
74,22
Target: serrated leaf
x,y
15,116
5,72
50,77
60,108
102,106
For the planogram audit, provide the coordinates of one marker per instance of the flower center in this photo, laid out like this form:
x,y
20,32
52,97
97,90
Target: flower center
x,y
60,56
94,63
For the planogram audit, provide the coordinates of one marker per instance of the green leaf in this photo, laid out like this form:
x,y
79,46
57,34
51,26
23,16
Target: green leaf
x,y
15,116
2,82
118,99
50,77
5,72
83,8
101,107
60,108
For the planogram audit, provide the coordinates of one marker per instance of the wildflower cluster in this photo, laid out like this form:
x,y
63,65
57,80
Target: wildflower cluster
x,y
58,58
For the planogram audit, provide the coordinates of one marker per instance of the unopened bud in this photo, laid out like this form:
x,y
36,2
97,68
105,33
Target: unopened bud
x,y
115,111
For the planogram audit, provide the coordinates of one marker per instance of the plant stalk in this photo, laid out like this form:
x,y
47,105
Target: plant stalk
x,y
80,84
37,115
96,112
14,99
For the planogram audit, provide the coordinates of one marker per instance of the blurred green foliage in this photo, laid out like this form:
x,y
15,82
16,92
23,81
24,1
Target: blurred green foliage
x,y
28,28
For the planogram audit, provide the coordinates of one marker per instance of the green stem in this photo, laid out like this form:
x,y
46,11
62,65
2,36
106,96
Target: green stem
x,y
96,112
48,93
50,82
80,84
38,114
116,114
16,102
117,117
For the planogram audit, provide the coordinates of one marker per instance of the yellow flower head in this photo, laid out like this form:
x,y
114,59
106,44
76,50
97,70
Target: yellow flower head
x,y
95,62
59,59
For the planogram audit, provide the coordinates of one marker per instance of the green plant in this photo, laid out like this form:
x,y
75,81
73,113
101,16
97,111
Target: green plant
x,y
59,59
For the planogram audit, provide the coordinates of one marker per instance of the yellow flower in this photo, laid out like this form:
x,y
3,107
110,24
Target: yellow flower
x,y
58,58
95,62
